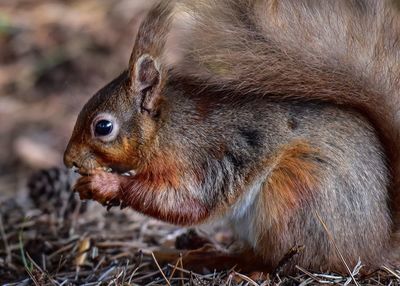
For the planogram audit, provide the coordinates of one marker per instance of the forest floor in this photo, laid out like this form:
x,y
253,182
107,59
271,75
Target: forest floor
x,y
53,56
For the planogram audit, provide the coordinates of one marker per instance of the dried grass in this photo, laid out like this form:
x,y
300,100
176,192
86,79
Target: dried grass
x,y
96,247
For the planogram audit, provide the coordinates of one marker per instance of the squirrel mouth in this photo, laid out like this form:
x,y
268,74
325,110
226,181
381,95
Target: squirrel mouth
x,y
88,172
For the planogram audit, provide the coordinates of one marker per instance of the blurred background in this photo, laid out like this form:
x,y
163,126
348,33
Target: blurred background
x,y
53,56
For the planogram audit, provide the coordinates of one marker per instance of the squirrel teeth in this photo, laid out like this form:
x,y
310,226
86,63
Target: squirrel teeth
x,y
110,170
129,173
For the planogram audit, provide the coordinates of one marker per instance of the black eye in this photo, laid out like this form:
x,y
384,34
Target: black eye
x,y
103,127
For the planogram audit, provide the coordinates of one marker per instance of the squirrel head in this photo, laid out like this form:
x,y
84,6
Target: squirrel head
x,y
119,120
117,126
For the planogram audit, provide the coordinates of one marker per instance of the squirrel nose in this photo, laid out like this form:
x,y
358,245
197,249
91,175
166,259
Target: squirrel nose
x,y
70,157
76,156
68,162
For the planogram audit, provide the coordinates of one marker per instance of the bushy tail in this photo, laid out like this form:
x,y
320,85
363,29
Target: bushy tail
x,y
345,52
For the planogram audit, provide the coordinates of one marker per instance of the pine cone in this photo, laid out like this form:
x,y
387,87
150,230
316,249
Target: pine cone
x,y
51,191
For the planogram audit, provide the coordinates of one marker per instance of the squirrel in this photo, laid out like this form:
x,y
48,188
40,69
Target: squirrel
x,y
281,116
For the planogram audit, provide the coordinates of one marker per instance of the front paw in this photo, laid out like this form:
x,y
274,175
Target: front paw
x,y
100,186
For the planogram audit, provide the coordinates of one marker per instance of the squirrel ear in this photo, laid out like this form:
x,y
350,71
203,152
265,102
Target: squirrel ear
x,y
146,80
144,69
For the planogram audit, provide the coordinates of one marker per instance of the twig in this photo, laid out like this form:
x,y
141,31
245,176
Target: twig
x,y
159,268
287,258
190,272
311,275
44,273
246,278
387,269
179,261
330,236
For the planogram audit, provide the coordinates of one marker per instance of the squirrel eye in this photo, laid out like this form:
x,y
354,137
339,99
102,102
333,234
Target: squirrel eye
x,y
103,127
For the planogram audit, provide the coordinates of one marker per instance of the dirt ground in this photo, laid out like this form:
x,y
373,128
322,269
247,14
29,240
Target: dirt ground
x,y
54,54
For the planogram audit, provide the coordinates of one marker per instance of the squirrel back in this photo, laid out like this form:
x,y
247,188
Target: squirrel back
x,y
343,52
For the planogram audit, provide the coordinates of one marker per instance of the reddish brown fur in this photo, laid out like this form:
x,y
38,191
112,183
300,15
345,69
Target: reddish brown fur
x,y
291,183
255,50
163,174
145,192
142,196
163,171
293,177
